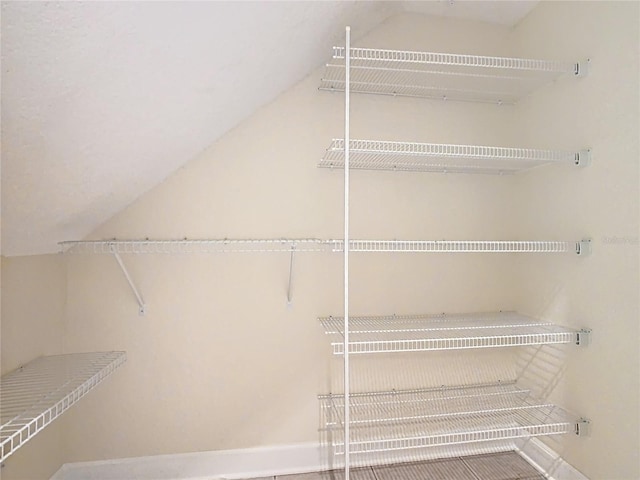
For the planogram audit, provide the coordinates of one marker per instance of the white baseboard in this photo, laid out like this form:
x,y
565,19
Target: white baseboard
x,y
215,465
548,461
289,459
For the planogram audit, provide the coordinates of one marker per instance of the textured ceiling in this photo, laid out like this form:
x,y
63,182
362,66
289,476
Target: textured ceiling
x,y
101,101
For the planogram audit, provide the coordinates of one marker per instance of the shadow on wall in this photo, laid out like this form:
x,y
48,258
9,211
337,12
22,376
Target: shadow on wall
x,y
452,413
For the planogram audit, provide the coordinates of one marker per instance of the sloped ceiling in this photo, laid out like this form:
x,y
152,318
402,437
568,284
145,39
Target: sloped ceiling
x,y
101,101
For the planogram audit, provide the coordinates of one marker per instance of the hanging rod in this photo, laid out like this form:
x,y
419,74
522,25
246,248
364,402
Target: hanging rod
x,y
148,246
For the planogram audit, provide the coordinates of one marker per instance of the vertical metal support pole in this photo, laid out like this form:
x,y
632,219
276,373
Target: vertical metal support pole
x,y
293,249
347,87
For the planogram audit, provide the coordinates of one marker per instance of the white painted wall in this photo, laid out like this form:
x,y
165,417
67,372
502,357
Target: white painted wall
x,y
33,301
600,111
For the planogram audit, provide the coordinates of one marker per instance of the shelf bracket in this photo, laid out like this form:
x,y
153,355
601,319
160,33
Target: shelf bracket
x,y
291,258
142,308
582,68
583,247
583,427
583,337
583,158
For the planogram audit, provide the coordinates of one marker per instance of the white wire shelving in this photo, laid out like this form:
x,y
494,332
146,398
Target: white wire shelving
x,y
580,247
190,246
501,80
292,246
415,333
445,158
367,423
34,395
467,246
405,420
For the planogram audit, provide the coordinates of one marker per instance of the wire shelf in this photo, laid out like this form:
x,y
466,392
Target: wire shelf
x,y
465,246
36,394
414,333
317,245
402,420
186,246
444,158
442,75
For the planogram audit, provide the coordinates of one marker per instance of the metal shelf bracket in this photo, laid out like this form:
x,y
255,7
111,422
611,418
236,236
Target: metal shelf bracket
x,y
582,68
291,258
142,308
583,427
583,337
583,247
583,158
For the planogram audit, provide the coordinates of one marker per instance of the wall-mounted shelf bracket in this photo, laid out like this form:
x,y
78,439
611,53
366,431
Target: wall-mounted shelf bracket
x,y
583,337
291,258
582,68
142,308
583,427
583,158
583,247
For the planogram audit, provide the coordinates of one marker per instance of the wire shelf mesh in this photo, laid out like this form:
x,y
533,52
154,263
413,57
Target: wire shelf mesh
x,y
460,246
444,158
401,420
441,75
36,394
317,245
413,333
187,246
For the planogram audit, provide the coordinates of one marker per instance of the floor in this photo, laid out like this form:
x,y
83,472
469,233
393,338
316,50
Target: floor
x,y
498,466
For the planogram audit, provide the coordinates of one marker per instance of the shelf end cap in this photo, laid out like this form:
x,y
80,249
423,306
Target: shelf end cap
x,y
583,247
582,67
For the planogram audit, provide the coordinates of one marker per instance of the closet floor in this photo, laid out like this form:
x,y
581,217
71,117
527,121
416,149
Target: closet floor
x,y
497,466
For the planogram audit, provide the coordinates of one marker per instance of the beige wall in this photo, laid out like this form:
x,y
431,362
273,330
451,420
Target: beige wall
x,y
33,300
220,361
601,111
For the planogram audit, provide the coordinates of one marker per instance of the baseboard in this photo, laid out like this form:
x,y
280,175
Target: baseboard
x,y
214,465
290,459
548,461
253,462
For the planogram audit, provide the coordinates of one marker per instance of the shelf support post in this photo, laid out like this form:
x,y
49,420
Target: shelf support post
x,y
293,250
142,308
347,88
